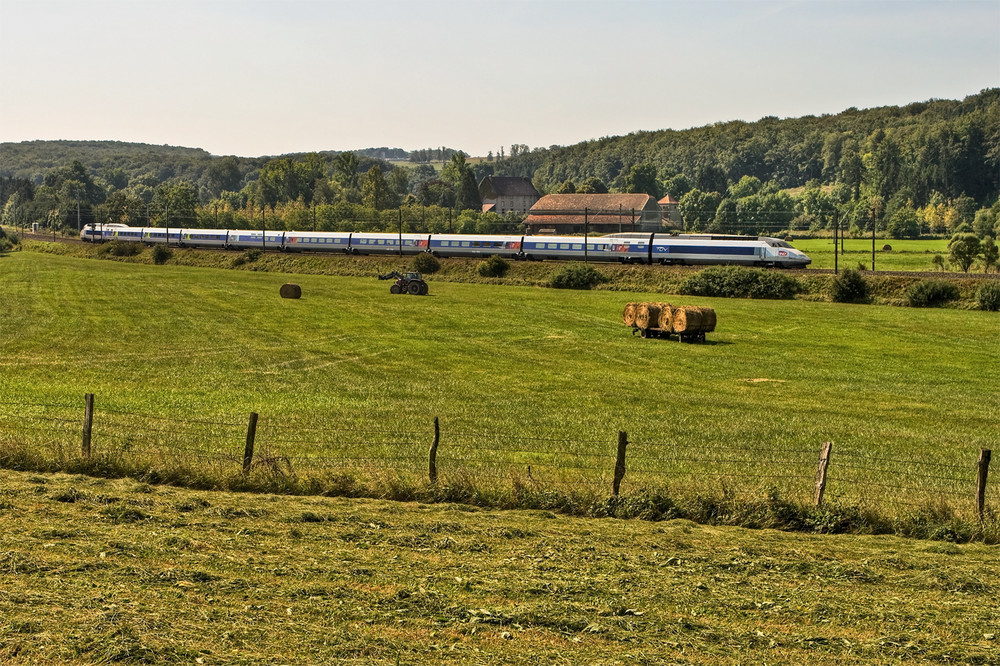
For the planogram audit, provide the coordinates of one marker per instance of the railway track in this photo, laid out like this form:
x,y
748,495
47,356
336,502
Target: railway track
x,y
790,271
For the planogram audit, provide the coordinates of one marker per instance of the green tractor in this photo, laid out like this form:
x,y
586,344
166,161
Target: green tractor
x,y
410,283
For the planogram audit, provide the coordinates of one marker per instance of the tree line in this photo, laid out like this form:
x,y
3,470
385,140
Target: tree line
x,y
926,168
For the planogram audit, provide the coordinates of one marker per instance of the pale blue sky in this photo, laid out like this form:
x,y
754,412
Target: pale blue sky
x,y
270,77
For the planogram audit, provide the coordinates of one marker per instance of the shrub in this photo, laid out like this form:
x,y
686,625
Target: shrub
x,y
248,257
931,293
988,296
494,267
8,240
118,248
849,287
578,276
740,282
425,262
161,254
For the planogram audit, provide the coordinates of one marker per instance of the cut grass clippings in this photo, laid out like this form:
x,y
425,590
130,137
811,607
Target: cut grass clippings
x,y
102,571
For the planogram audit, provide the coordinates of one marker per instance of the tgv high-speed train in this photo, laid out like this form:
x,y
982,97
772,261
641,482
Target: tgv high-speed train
x,y
633,247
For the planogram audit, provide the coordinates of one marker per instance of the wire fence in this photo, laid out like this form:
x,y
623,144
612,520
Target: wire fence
x,y
809,474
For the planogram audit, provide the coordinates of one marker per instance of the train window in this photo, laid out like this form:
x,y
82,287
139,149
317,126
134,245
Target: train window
x,y
552,246
465,243
579,246
475,243
564,246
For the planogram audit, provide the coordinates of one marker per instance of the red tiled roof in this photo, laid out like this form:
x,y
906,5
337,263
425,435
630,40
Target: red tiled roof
x,y
578,220
667,200
556,203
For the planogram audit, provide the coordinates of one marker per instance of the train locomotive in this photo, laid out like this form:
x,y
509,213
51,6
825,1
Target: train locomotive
x,y
630,248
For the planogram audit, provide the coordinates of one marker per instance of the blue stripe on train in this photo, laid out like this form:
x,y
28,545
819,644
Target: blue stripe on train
x,y
703,249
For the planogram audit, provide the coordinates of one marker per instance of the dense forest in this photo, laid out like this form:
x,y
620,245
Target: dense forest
x,y
926,168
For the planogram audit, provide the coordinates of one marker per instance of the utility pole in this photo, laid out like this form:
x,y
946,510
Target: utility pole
x,y
586,233
836,233
400,209
873,242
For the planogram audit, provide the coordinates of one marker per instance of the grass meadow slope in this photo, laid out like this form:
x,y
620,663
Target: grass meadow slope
x,y
531,386
117,571
518,376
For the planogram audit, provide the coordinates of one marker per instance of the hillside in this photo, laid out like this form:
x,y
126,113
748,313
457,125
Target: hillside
x,y
948,146
924,168
102,571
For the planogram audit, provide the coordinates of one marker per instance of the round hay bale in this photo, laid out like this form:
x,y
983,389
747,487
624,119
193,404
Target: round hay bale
x,y
647,315
289,290
687,319
628,316
708,320
666,321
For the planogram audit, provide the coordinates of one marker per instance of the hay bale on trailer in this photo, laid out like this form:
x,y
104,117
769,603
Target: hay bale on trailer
x,y
691,322
628,316
708,320
687,320
647,315
290,290
666,320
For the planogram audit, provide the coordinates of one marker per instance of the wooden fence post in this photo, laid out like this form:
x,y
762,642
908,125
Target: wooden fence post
x,y
824,462
432,466
251,436
88,423
984,470
619,463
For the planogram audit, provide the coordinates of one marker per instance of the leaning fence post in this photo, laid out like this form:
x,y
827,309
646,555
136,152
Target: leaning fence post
x,y
251,436
984,470
88,423
824,462
619,463
432,465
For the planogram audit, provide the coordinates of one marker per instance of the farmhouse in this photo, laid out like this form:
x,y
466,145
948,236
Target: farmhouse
x,y
670,211
505,194
596,213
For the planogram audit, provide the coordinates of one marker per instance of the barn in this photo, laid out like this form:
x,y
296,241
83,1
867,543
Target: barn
x,y
593,213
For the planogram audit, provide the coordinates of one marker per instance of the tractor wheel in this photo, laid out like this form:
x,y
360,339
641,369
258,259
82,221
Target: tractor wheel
x,y
395,289
413,288
423,288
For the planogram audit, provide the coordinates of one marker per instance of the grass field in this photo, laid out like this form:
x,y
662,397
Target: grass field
x,y
518,376
906,255
116,571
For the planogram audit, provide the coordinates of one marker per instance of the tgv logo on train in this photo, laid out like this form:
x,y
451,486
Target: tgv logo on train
x,y
633,247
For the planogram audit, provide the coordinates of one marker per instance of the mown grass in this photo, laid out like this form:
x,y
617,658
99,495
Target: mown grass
x,y
519,376
117,571
906,255
815,285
